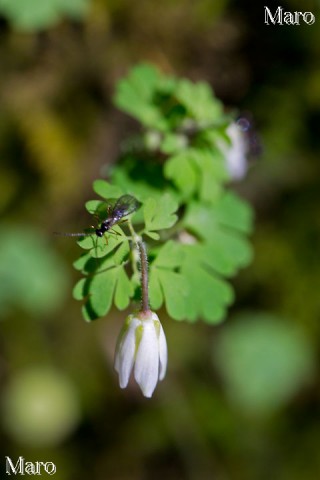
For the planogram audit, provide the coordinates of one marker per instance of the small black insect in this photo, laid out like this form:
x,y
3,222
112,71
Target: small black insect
x,y
124,206
109,214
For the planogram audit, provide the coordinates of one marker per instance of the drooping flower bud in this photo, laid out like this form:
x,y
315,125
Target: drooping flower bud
x,y
142,347
236,152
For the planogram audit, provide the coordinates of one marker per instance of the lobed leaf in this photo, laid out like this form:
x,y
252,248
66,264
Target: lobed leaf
x,y
173,143
199,100
106,190
212,174
229,213
181,170
234,212
166,284
124,290
98,290
209,294
159,215
101,246
199,171
169,255
134,95
175,287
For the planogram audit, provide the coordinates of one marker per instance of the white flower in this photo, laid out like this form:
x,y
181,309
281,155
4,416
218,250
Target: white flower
x,y
236,152
142,346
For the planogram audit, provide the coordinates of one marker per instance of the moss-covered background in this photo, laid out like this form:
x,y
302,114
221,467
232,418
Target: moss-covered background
x,y
240,401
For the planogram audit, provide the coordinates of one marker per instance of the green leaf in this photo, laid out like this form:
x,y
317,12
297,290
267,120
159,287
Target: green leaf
x,y
121,254
75,9
264,361
141,82
183,173
94,207
166,284
106,190
159,215
37,15
98,293
212,173
102,246
78,290
105,280
209,294
152,235
197,170
226,253
124,290
234,212
99,289
171,287
135,92
218,250
224,247
32,276
199,101
170,255
215,136
173,143
138,186
175,289
155,291
229,213
82,262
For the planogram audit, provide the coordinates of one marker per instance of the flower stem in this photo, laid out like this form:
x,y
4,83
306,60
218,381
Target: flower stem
x,y
145,309
144,277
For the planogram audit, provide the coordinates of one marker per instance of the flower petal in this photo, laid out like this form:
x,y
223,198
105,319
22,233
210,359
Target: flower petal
x,y
119,344
163,354
125,353
146,370
236,152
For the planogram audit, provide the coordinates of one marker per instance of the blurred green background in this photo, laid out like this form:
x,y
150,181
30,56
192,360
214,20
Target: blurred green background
x,y
240,401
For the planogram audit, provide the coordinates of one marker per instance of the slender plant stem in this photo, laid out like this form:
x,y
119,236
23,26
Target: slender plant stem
x,y
144,277
134,237
145,309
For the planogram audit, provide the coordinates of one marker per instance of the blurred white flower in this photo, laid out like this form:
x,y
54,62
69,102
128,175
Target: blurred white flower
x,y
236,152
142,346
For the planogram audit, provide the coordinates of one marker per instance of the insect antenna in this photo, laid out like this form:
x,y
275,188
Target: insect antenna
x,y
72,234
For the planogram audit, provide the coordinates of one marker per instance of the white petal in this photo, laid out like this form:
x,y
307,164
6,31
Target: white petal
x,y
154,317
117,355
120,339
163,354
236,152
125,354
146,370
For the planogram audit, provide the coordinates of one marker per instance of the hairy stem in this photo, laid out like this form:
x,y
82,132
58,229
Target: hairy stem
x,y
145,309
133,255
144,277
